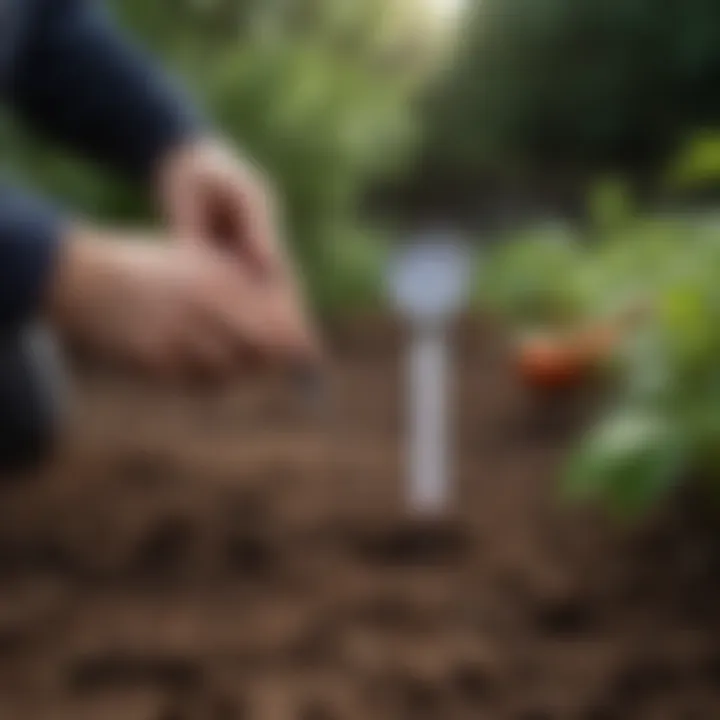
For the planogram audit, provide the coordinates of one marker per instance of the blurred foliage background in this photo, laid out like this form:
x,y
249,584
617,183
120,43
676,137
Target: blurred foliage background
x,y
557,91
514,104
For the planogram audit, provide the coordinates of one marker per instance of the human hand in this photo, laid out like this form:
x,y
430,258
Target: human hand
x,y
210,195
214,198
171,309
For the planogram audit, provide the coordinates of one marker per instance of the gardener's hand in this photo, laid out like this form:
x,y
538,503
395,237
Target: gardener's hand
x,y
212,196
171,309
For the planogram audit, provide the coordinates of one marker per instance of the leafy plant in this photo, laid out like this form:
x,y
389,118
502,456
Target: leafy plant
x,y
533,278
661,424
632,459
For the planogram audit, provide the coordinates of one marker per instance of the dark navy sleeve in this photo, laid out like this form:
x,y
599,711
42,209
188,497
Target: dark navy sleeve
x,y
81,81
30,231
75,78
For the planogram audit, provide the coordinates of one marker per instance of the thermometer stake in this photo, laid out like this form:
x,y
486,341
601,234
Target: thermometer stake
x,y
428,421
428,282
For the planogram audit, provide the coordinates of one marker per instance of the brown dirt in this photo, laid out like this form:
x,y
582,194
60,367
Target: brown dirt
x,y
236,558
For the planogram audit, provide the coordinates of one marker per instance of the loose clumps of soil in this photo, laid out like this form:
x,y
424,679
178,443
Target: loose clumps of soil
x,y
229,558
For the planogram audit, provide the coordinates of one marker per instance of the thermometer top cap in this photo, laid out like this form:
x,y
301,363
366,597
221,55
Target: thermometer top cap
x,y
429,278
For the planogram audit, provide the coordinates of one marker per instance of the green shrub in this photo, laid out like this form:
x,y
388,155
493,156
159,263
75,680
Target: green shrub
x,y
661,422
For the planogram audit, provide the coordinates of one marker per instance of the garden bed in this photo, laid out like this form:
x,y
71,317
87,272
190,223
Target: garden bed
x,y
238,558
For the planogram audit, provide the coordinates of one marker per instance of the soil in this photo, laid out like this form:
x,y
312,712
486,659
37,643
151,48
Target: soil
x,y
249,557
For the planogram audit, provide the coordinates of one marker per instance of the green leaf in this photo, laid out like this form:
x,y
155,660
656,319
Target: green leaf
x,y
648,375
630,462
698,163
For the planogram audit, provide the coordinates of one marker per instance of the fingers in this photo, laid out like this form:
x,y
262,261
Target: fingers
x,y
209,359
217,200
210,195
175,312
235,210
185,210
256,222
238,325
263,320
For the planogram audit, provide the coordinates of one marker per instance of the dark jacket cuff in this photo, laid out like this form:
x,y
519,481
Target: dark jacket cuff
x,y
159,131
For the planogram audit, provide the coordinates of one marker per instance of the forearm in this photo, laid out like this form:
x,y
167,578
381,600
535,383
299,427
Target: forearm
x,y
78,80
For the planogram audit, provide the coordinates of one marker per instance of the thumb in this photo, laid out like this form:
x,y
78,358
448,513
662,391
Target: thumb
x,y
184,211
